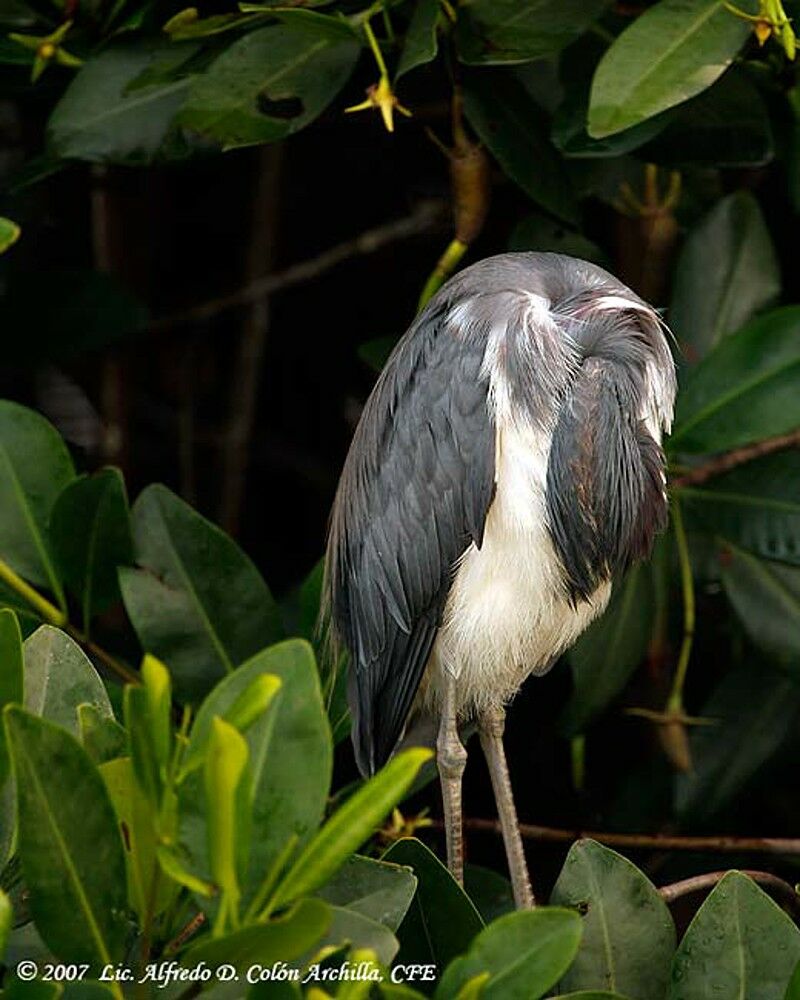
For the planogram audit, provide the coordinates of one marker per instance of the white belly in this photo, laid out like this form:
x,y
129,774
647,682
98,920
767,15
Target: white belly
x,y
507,614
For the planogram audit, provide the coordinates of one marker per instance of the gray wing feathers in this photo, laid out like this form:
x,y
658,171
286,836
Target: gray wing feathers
x,y
414,494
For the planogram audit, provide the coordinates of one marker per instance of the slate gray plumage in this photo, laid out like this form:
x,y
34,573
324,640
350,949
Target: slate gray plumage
x,y
533,375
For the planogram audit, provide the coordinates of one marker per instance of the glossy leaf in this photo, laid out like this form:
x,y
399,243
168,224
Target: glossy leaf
x,y
136,820
290,787
375,889
35,466
755,507
421,45
727,125
281,939
101,120
628,933
6,921
91,537
69,843
9,233
103,738
515,130
754,711
524,953
727,271
739,944
669,53
512,31
59,678
228,802
352,929
11,677
197,602
793,989
489,892
745,389
272,82
766,597
605,656
442,920
351,824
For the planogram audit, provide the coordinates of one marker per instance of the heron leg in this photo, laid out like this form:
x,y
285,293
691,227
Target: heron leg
x,y
451,759
491,724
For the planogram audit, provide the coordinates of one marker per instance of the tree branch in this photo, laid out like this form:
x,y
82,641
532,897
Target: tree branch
x,y
657,841
782,891
738,456
426,217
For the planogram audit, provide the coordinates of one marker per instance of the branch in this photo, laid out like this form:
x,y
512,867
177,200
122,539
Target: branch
x,y
781,890
657,841
738,456
427,216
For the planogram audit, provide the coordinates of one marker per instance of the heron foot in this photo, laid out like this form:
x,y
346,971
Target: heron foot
x,y
451,759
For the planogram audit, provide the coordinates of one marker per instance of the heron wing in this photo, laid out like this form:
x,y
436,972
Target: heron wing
x,y
414,494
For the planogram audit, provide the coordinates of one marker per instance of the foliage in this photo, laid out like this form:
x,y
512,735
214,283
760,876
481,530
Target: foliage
x,y
194,814
212,817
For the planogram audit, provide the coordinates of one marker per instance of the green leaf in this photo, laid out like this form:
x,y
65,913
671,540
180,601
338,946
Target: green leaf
x,y
669,53
350,930
755,710
351,824
83,310
59,678
281,939
524,953
628,933
6,921
11,677
727,271
375,889
537,232
91,536
605,656
136,819
590,995
442,920
272,82
745,389
36,989
515,130
149,774
727,125
69,843
228,803
102,737
755,506
197,602
9,233
766,597
290,787
490,893
510,31
101,120
793,989
739,944
35,466
420,45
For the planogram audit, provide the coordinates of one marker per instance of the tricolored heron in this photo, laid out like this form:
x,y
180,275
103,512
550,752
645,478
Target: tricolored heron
x,y
507,465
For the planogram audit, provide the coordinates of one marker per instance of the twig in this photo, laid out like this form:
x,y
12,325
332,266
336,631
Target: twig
x,y
427,216
776,887
738,456
656,841
245,378
122,670
183,935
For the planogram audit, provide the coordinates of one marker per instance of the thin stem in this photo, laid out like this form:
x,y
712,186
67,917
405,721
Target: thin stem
x,y
376,49
47,610
445,266
738,456
675,700
777,887
643,841
122,670
147,927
